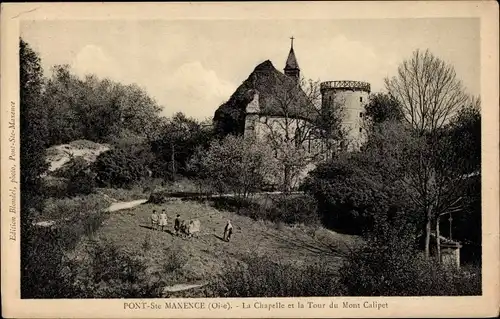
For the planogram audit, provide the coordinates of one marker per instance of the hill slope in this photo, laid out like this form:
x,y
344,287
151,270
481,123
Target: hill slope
x,y
207,255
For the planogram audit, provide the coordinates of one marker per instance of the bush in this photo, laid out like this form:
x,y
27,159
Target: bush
x,y
263,277
82,183
296,210
51,274
394,268
121,167
76,217
111,273
72,167
54,187
290,209
176,259
79,179
106,272
44,264
70,208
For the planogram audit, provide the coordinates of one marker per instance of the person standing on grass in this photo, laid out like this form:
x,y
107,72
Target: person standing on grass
x,y
177,224
163,220
228,231
154,220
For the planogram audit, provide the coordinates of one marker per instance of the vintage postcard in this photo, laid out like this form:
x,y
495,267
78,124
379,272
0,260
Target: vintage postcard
x,y
259,160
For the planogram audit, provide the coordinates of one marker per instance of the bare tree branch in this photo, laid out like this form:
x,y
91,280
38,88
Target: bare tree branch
x,y
428,90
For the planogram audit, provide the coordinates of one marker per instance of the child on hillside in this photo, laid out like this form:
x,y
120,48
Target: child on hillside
x,y
228,231
154,220
163,220
177,224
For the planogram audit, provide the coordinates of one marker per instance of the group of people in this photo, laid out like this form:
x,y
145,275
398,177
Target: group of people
x,y
159,222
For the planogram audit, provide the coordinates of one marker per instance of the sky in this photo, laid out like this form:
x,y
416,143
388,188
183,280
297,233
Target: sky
x,y
193,66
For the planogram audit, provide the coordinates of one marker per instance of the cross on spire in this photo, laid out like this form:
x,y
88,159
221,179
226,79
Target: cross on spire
x,y
292,67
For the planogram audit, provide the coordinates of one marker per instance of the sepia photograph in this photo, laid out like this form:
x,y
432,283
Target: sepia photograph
x,y
178,159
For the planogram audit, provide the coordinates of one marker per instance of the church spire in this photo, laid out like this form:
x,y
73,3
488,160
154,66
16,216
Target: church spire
x,y
292,67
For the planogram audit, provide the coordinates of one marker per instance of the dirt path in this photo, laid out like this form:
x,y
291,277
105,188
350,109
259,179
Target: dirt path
x,y
125,205
181,287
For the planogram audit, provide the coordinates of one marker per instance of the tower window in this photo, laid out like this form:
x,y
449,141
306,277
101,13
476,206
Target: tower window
x,y
361,99
361,114
360,130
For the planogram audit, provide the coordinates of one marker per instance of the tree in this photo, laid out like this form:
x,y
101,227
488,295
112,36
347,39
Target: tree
x,y
395,171
428,90
464,135
358,191
63,92
178,139
383,107
33,125
98,109
236,164
123,166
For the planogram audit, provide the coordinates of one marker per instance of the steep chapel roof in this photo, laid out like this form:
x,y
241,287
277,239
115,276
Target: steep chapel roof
x,y
279,95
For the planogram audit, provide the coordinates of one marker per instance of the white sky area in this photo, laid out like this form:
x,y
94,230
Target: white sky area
x,y
193,66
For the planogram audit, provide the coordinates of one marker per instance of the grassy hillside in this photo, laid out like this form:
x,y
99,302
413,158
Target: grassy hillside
x,y
201,259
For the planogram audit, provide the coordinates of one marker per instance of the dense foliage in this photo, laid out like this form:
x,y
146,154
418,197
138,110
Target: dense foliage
x,y
356,189
383,107
121,167
265,277
33,123
236,164
177,142
96,110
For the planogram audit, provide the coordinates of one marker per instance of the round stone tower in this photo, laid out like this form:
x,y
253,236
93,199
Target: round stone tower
x,y
352,96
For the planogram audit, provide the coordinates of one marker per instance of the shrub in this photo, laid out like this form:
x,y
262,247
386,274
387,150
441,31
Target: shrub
x,y
146,244
45,261
82,183
122,194
76,217
176,259
72,167
92,223
296,210
394,268
112,273
289,209
263,277
75,178
121,167
76,207
54,187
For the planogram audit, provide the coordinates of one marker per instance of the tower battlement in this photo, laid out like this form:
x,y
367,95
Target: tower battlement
x,y
345,85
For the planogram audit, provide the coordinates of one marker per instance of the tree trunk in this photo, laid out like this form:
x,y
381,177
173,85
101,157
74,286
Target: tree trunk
x,y
438,241
427,236
286,178
173,161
